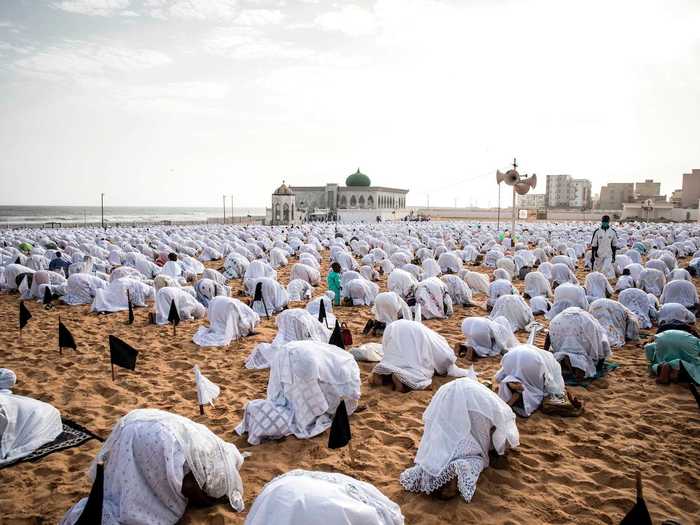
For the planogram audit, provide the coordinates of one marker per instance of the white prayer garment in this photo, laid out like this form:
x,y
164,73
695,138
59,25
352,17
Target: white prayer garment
x,y
81,288
54,280
675,313
514,309
161,281
463,421
173,269
546,269
681,292
345,260
207,391
413,352
308,379
680,274
536,370
477,282
186,305
278,258
507,264
540,305
389,307
638,302
257,270
25,423
306,273
488,337
597,286
458,290
636,270
207,289
302,497
229,319
565,296
434,299
114,297
295,324
536,284
498,288
235,265
369,352
449,262
624,282
274,296
146,458
314,307
402,282
369,273
299,290
562,274
653,281
576,334
500,273
361,291
658,264
12,271
214,275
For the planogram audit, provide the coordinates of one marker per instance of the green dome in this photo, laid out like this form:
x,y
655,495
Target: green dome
x,y
358,179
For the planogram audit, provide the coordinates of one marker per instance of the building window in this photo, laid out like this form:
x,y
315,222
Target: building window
x,y
343,202
353,202
277,212
285,212
370,202
362,201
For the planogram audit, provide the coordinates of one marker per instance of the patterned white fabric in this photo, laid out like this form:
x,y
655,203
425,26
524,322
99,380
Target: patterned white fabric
x,y
187,306
206,289
488,337
638,302
681,292
402,282
458,436
653,281
229,319
674,312
617,320
498,288
389,307
306,273
565,296
361,291
435,302
114,297
81,288
597,286
299,290
274,296
477,282
207,391
536,285
303,497
514,309
458,290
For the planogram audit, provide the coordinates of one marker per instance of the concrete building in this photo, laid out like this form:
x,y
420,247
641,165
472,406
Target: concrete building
x,y
647,190
563,191
676,198
531,201
658,210
691,189
358,200
615,194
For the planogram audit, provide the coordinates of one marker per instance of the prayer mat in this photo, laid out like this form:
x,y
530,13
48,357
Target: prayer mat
x,y
73,435
608,366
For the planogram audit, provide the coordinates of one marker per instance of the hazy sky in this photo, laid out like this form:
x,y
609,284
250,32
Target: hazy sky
x,y
176,102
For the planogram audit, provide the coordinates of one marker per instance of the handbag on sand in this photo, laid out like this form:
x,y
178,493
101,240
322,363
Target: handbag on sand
x,y
347,335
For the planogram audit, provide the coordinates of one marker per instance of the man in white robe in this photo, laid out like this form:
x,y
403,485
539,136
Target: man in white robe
x,y
229,319
187,306
25,423
486,337
299,290
308,379
207,289
566,296
402,282
653,281
536,285
597,286
514,309
81,288
458,290
274,296
361,291
306,273
433,297
388,307
638,302
617,320
498,288
114,297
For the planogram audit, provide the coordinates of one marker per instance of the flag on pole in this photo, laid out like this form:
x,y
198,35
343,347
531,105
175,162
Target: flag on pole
x,y
92,511
173,315
24,285
207,391
24,315
322,316
65,338
337,336
122,354
48,297
639,514
340,428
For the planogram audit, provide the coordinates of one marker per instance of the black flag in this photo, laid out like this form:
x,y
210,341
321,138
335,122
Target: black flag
x,y
340,428
639,514
18,260
92,512
322,316
65,338
48,297
24,315
173,316
337,336
131,308
258,296
121,354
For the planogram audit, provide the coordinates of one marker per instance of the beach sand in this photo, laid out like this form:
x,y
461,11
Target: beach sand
x,y
577,470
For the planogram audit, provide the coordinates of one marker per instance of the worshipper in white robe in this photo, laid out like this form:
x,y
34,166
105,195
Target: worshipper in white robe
x,y
579,342
527,376
43,278
214,275
229,319
299,290
658,264
540,305
403,283
681,292
515,309
617,320
257,270
173,267
625,281
679,274
306,273
430,268
114,298
449,262
369,273
414,270
302,497
207,289
309,260
458,290
161,281
562,274
638,302
597,286
463,423
186,305
235,265
484,337
12,271
81,288
345,260
314,307
25,423
545,269
388,307
653,281
477,282
308,379
155,463
412,354
434,299
671,313
502,273
274,296
497,289
295,324
568,295
507,264
126,271
361,292
536,285
278,258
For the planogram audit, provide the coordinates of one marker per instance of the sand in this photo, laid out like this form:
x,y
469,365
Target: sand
x,y
578,470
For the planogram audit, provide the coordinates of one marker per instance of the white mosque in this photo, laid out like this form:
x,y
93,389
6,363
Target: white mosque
x,y
357,201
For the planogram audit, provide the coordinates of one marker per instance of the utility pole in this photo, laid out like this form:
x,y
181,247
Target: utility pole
x,y
102,208
512,224
232,214
224,209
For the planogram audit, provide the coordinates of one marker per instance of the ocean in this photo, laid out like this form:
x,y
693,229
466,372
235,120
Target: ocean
x,y
69,215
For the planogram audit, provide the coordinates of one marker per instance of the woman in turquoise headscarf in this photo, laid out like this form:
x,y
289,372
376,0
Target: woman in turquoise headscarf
x,y
673,354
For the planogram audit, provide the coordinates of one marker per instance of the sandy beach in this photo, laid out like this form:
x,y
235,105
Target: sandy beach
x,y
578,470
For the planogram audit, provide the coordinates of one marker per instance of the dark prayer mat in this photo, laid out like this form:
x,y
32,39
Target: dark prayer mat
x,y
602,371
73,435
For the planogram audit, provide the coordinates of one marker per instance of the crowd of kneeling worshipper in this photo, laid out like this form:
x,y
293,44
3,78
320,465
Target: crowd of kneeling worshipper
x,y
154,462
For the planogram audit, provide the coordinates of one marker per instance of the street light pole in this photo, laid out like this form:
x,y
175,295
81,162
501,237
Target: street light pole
x,y
224,209
232,214
102,208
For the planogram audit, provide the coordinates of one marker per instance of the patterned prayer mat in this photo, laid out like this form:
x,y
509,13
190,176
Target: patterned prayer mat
x,y
73,435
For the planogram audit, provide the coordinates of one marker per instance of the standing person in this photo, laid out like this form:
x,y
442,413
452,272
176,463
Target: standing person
x,y
604,247
333,282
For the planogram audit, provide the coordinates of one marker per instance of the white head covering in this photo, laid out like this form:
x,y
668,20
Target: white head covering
x,y
7,379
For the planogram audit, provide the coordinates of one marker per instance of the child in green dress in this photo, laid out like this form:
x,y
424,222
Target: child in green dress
x,y
333,282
